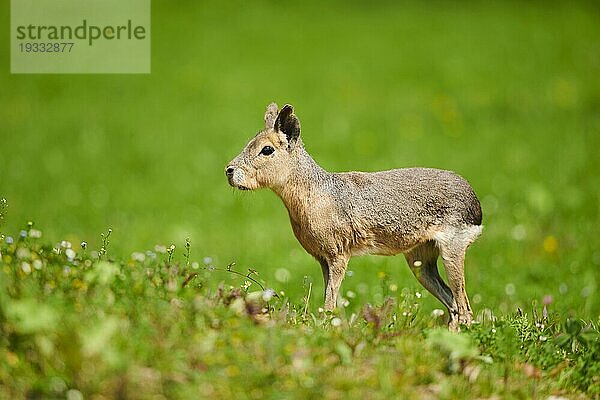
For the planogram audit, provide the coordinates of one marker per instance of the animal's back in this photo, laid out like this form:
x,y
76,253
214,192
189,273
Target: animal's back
x,y
402,204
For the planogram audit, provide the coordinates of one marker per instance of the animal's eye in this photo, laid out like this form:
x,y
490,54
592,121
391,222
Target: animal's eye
x,y
267,150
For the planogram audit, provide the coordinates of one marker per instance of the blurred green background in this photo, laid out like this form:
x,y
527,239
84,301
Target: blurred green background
x,y
506,94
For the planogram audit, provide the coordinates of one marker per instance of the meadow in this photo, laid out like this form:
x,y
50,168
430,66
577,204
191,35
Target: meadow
x,y
506,94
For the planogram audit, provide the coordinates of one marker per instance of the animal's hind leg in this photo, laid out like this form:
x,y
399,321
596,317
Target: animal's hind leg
x,y
325,270
422,261
453,245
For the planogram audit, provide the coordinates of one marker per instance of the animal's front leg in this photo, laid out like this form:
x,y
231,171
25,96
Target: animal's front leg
x,y
337,268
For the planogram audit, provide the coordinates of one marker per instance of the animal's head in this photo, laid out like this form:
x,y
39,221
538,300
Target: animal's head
x,y
268,158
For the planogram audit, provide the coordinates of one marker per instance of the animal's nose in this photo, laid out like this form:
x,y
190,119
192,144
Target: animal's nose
x,y
229,172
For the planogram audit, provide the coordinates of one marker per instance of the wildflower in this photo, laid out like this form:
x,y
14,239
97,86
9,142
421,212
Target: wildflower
x,y
23,252
26,267
84,245
268,294
518,232
9,240
562,288
207,260
195,265
437,313
550,244
282,274
74,394
35,233
159,248
23,234
393,287
543,338
38,264
349,273
509,289
137,256
418,295
547,299
417,263
336,322
70,253
350,294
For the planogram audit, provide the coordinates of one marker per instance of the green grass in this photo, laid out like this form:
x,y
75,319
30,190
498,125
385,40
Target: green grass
x,y
506,94
74,323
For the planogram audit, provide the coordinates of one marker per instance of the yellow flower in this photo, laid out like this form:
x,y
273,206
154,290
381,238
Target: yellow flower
x,y
550,244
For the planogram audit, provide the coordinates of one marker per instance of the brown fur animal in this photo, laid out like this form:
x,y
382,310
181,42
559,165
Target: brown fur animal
x,y
421,212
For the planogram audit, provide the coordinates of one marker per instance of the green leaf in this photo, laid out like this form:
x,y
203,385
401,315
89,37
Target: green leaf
x,y
344,351
29,316
103,273
573,327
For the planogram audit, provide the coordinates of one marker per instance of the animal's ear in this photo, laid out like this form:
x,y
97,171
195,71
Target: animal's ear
x,y
288,123
271,116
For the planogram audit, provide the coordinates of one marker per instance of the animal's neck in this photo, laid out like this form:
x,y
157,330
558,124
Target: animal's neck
x,y
305,180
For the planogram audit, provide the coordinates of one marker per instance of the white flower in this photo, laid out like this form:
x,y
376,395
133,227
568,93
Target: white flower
x,y
437,313
510,289
70,253
336,322
26,267
519,232
137,256
34,233
282,275
38,264
268,294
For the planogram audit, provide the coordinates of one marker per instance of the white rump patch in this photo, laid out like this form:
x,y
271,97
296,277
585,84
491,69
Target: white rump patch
x,y
452,235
